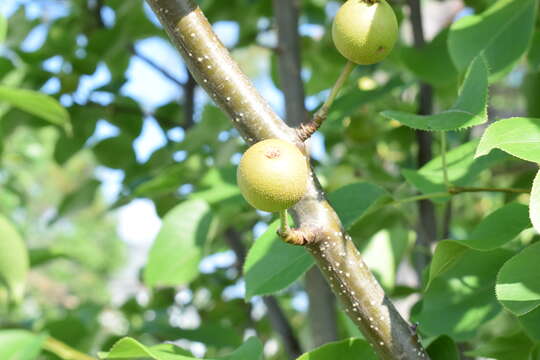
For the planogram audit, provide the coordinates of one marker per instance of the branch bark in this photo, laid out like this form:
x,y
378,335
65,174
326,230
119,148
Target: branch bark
x,y
336,255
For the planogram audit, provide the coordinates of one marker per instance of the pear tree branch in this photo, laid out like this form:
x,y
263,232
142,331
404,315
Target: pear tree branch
x,y
336,255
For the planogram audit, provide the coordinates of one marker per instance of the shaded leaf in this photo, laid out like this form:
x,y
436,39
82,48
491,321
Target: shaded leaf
x,y
519,137
534,203
38,104
432,62
508,25
531,324
20,345
461,299
498,228
512,347
272,265
469,109
13,260
350,349
178,248
518,282
443,348
128,348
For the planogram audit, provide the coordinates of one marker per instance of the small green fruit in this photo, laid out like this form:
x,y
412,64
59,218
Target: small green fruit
x,y
272,175
365,32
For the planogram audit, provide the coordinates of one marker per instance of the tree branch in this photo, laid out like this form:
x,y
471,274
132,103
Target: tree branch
x,y
361,295
155,66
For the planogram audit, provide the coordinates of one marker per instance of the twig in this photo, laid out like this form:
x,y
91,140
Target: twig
x,y
306,130
155,65
455,190
64,351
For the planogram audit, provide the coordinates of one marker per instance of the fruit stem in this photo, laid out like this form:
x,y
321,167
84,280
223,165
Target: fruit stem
x,y
284,220
64,351
306,130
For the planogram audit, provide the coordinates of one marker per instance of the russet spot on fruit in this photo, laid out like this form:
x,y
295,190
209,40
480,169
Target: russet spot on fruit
x,y
272,175
365,32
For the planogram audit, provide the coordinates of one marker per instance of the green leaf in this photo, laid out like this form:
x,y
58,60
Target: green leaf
x,y
443,348
272,265
20,345
350,349
498,228
512,347
128,348
461,166
176,252
518,282
534,203
502,33
354,201
460,300
217,185
469,109
77,199
531,324
432,62
42,256
519,137
38,104
13,260
534,51
115,152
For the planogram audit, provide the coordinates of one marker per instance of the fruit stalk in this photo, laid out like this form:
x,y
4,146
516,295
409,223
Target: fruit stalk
x,y
306,130
216,72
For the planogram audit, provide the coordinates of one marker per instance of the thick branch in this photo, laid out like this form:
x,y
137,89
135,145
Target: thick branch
x,y
334,251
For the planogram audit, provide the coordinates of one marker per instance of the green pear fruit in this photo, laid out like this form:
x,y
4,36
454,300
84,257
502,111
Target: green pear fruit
x,y
272,175
365,31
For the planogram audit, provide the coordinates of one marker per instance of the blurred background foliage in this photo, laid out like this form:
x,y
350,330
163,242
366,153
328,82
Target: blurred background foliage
x,y
87,194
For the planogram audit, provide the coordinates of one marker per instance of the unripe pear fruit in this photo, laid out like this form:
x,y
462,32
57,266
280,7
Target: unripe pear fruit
x,y
365,31
272,175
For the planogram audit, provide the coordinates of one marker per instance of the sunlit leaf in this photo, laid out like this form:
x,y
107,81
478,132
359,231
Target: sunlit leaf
x,y
350,349
519,137
508,25
13,260
518,285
